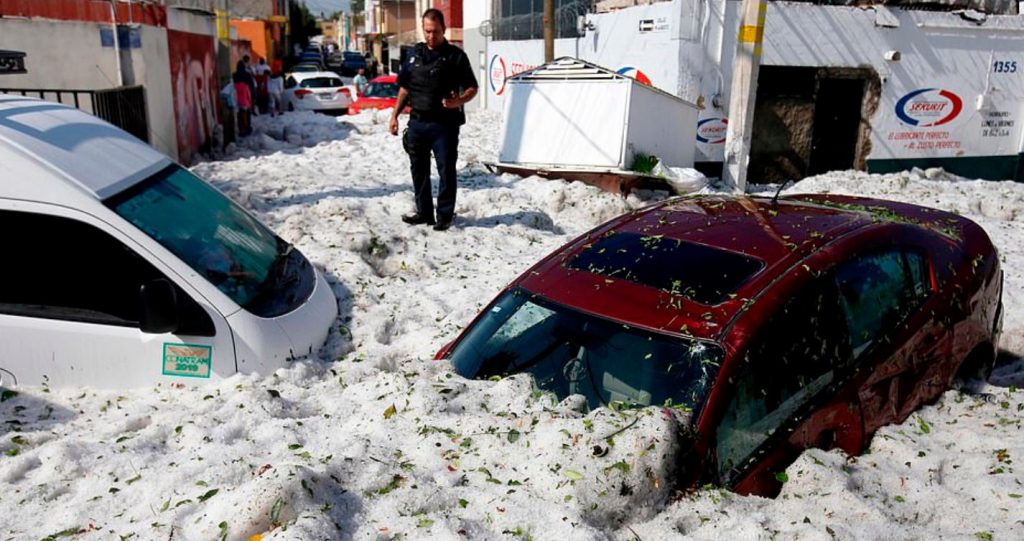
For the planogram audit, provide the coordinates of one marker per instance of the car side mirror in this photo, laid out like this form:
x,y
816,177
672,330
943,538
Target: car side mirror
x,y
159,312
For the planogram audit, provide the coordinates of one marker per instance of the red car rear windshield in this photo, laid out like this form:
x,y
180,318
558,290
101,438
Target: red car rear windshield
x,y
700,273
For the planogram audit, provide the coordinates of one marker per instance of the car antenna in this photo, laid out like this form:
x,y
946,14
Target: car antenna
x,y
775,198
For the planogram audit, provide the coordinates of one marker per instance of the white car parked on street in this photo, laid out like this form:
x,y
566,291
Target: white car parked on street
x,y
316,91
122,268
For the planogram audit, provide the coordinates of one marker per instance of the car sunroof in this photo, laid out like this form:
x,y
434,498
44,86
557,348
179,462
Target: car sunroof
x,y
700,273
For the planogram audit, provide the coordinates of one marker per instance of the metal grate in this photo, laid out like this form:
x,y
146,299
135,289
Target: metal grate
x,y
524,19
124,107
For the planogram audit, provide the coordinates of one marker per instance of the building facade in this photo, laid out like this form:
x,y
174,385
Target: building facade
x,y
875,88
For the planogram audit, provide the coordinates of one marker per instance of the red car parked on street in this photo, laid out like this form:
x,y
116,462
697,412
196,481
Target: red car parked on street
x,y
769,325
380,93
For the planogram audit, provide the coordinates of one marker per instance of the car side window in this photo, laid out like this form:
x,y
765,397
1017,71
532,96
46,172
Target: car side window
x,y
68,270
793,357
878,292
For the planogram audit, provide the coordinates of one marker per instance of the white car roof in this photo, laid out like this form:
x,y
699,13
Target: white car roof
x,y
48,147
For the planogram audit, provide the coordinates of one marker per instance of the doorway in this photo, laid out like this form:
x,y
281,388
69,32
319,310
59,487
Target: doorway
x,y
809,120
837,111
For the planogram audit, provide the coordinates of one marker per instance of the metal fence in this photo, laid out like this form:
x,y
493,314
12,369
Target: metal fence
x,y
524,19
124,107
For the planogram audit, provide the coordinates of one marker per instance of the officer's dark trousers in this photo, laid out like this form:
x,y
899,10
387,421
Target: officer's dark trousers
x,y
422,138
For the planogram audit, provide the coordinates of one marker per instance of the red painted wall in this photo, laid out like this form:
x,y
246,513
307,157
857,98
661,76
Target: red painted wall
x,y
452,10
84,10
194,87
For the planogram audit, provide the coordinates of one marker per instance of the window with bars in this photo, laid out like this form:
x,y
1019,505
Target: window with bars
x,y
524,19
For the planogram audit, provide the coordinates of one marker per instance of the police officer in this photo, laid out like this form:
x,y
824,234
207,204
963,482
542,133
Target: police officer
x,y
435,80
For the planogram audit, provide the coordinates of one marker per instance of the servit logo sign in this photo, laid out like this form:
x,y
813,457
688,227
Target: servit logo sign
x,y
712,130
630,71
497,74
928,107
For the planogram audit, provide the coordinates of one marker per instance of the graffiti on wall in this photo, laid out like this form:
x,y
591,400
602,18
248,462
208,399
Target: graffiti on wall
x,y
194,84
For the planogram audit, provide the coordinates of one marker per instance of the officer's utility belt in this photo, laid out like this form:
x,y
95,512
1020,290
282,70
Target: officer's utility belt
x,y
429,116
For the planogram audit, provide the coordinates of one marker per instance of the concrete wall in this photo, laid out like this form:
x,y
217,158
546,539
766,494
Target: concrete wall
x,y
257,34
83,62
255,9
59,54
149,64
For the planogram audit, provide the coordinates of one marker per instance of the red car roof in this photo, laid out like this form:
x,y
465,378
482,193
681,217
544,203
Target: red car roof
x,y
779,235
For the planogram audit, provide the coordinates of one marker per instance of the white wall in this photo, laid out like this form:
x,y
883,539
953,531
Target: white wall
x,y
938,51
81,62
65,55
475,12
689,52
152,69
617,43
474,43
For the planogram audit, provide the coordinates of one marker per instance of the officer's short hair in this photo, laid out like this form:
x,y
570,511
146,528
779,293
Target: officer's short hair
x,y
435,15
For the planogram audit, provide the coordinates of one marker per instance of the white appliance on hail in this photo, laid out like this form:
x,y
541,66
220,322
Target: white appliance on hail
x,y
122,268
572,115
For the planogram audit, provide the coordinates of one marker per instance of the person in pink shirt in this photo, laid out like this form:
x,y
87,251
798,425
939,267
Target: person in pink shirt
x,y
243,99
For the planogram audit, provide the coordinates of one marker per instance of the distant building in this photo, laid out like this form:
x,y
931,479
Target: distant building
x,y
263,23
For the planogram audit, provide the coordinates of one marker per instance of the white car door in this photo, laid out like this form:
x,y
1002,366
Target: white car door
x,y
71,308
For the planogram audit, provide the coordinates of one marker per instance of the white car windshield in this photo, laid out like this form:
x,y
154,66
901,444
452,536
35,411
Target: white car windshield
x,y
219,240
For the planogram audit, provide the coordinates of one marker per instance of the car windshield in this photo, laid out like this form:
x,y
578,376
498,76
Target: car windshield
x,y
321,82
572,353
381,90
215,237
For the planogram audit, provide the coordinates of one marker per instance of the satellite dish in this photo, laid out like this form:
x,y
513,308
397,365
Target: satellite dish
x,y
486,28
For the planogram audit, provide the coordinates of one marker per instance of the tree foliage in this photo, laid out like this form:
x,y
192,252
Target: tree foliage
x,y
302,23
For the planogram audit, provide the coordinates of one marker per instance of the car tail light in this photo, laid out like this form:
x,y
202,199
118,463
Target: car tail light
x,y
346,92
301,93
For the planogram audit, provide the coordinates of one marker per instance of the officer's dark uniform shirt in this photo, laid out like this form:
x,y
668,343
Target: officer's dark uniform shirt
x,y
432,75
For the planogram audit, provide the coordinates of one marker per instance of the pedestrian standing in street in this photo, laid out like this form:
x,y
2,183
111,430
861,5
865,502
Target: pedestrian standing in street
x,y
436,80
276,90
243,98
261,74
359,81
244,71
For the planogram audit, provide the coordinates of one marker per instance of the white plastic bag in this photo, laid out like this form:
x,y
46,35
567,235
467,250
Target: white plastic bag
x,y
682,179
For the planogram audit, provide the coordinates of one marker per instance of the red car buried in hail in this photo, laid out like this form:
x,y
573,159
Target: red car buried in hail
x,y
772,325
380,93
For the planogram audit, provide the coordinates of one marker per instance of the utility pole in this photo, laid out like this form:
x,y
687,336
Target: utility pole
x,y
743,92
549,30
224,68
117,44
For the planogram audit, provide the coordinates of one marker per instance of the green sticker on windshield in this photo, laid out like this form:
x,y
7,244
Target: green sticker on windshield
x,y
188,360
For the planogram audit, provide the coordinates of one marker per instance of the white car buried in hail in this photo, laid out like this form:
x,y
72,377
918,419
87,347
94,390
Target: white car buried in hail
x,y
122,269
316,91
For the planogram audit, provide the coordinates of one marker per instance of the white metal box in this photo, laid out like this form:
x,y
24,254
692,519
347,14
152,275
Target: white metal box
x,y
573,115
